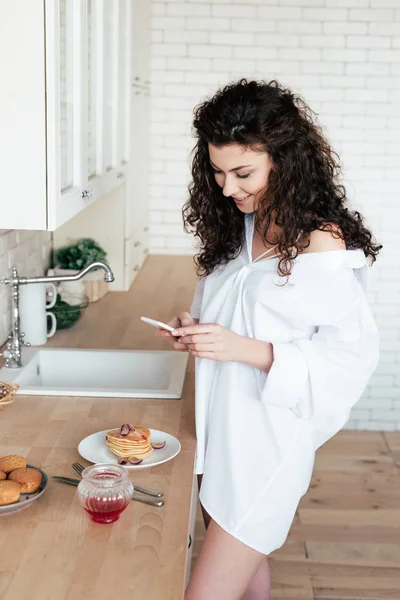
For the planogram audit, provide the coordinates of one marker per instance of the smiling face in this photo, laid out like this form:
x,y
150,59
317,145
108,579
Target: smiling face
x,y
241,173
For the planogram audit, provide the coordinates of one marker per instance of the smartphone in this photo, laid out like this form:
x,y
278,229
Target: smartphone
x,y
157,323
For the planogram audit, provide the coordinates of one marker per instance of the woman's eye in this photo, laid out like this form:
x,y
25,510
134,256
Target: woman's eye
x,y
244,176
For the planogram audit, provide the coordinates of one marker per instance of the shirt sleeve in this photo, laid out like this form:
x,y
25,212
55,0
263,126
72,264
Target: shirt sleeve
x,y
195,308
326,374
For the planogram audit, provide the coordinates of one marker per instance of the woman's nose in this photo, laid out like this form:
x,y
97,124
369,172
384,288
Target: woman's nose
x,y
230,187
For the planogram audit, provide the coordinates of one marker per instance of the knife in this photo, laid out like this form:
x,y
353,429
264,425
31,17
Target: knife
x,y
137,498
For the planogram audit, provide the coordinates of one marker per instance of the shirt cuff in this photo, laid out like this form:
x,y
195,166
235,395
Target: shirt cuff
x,y
286,380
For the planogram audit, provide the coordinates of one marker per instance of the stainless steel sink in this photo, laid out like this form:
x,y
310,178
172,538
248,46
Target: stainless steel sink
x,y
107,373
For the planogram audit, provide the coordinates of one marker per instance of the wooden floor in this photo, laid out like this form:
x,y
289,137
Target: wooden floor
x,y
344,543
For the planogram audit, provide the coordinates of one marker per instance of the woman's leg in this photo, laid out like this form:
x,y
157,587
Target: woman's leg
x,y
259,587
224,569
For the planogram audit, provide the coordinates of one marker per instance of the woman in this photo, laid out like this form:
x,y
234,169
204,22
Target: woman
x,y
286,342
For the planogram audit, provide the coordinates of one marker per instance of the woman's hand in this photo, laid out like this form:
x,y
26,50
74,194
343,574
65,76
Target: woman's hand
x,y
212,341
182,320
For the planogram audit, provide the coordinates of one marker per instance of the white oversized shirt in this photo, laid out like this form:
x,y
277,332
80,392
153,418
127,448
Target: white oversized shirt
x,y
257,432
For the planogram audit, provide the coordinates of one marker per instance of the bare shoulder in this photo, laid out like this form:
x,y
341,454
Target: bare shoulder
x,y
323,241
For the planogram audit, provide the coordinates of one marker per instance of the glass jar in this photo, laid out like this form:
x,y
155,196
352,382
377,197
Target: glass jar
x,y
105,491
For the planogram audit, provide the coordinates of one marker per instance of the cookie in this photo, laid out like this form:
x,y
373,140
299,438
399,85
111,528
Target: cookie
x,y
3,475
9,492
29,479
12,462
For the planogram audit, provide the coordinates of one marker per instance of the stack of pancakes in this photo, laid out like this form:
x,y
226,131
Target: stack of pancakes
x,y
135,444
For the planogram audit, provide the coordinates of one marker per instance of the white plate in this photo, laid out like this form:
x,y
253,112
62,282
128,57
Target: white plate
x,y
93,448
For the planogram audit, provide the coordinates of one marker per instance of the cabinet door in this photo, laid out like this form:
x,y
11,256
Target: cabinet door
x,y
136,221
64,107
141,15
66,110
141,207
22,115
136,230
134,254
94,85
109,94
88,63
192,527
101,98
124,83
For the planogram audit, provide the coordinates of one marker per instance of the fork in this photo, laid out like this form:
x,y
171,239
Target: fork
x,y
145,499
78,468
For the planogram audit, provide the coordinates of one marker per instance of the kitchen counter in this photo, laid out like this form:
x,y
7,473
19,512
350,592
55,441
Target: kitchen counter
x,y
52,550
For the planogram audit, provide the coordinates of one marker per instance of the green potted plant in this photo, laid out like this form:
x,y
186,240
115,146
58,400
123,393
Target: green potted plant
x,y
74,258
80,255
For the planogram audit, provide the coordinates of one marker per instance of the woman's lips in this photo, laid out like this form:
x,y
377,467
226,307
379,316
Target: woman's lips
x,y
241,200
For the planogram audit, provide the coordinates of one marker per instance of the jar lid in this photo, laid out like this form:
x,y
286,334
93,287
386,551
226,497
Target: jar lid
x,y
105,475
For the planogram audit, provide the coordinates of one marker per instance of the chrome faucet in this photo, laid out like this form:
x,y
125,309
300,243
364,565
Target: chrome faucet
x,y
16,338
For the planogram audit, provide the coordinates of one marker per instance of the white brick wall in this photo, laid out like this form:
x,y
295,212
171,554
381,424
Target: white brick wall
x,y
343,56
29,251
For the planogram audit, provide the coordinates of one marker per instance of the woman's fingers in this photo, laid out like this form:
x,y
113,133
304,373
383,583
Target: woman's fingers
x,y
163,333
173,342
175,321
185,320
179,347
197,329
190,333
197,339
203,347
209,355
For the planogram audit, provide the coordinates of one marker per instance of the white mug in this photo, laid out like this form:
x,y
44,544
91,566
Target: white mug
x,y
33,303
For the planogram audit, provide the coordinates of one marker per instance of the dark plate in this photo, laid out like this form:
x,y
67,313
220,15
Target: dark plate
x,y
27,499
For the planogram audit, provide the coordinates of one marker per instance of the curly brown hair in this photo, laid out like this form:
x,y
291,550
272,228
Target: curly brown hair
x,y
303,190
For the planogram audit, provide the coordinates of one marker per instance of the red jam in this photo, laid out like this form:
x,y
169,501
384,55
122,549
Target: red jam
x,y
105,492
106,512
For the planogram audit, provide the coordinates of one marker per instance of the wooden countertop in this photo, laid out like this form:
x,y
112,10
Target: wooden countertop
x,y
52,550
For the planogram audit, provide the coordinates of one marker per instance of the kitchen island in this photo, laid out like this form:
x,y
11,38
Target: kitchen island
x,y
52,550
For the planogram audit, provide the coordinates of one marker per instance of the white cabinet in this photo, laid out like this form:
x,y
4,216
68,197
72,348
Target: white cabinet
x,y
192,527
137,192
64,107
119,221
